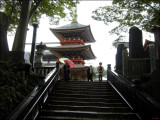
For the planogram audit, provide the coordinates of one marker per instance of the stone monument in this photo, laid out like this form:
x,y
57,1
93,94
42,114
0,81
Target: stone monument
x,y
135,43
39,54
119,58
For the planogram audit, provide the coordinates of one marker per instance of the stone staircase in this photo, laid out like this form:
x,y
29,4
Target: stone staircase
x,y
82,100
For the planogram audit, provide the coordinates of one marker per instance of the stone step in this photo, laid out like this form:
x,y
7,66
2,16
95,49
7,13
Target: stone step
x,y
85,99
85,92
80,103
84,114
84,84
83,89
111,96
87,108
78,118
81,82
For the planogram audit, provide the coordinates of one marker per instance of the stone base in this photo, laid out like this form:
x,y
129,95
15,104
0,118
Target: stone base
x,y
38,65
155,79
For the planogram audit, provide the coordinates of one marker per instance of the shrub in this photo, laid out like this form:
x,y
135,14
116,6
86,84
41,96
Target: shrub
x,y
14,86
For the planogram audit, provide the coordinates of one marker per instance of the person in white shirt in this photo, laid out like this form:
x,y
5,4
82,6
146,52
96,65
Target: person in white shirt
x,y
100,70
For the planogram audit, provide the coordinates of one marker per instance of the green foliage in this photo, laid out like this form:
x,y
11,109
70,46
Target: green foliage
x,y
142,13
13,87
53,9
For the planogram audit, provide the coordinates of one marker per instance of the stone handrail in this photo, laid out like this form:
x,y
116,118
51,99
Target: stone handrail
x,y
141,103
30,107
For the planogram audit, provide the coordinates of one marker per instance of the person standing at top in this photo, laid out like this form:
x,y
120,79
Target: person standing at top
x,y
90,73
100,70
68,73
64,72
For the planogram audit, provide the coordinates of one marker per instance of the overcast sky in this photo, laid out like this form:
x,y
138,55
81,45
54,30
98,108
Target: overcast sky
x,y
102,48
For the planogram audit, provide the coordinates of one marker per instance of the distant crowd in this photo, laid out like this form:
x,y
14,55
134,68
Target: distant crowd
x,y
90,73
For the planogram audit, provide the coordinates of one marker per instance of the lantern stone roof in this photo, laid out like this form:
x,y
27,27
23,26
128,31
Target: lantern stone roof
x,y
49,57
74,30
83,51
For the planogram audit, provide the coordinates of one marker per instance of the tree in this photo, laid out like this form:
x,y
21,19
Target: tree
x,y
142,13
22,12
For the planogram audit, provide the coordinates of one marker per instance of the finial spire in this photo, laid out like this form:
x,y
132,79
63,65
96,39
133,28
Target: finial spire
x,y
73,13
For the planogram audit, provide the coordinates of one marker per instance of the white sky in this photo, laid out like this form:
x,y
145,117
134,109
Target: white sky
x,y
102,48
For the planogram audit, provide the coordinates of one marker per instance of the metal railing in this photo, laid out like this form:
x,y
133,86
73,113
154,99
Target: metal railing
x,y
30,107
140,102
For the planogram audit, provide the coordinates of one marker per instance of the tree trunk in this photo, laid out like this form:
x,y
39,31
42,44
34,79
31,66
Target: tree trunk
x,y
20,37
4,23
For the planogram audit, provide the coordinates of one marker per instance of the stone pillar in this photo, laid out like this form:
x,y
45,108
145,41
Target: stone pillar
x,y
57,65
3,36
32,57
108,69
39,54
155,75
152,57
119,58
155,82
135,43
125,61
156,32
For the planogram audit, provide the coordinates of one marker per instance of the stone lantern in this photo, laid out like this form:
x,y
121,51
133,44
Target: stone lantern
x,y
39,54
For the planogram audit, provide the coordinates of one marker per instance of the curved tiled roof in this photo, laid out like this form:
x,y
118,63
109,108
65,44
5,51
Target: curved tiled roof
x,y
72,25
74,29
85,51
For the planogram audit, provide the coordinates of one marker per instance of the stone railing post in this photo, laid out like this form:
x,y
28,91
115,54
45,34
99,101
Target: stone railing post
x,y
152,57
109,67
156,32
125,61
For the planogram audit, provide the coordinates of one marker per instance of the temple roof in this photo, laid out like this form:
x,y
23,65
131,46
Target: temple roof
x,y
74,29
146,44
84,51
72,25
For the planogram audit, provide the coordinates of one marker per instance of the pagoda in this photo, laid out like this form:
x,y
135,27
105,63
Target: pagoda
x,y
72,38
